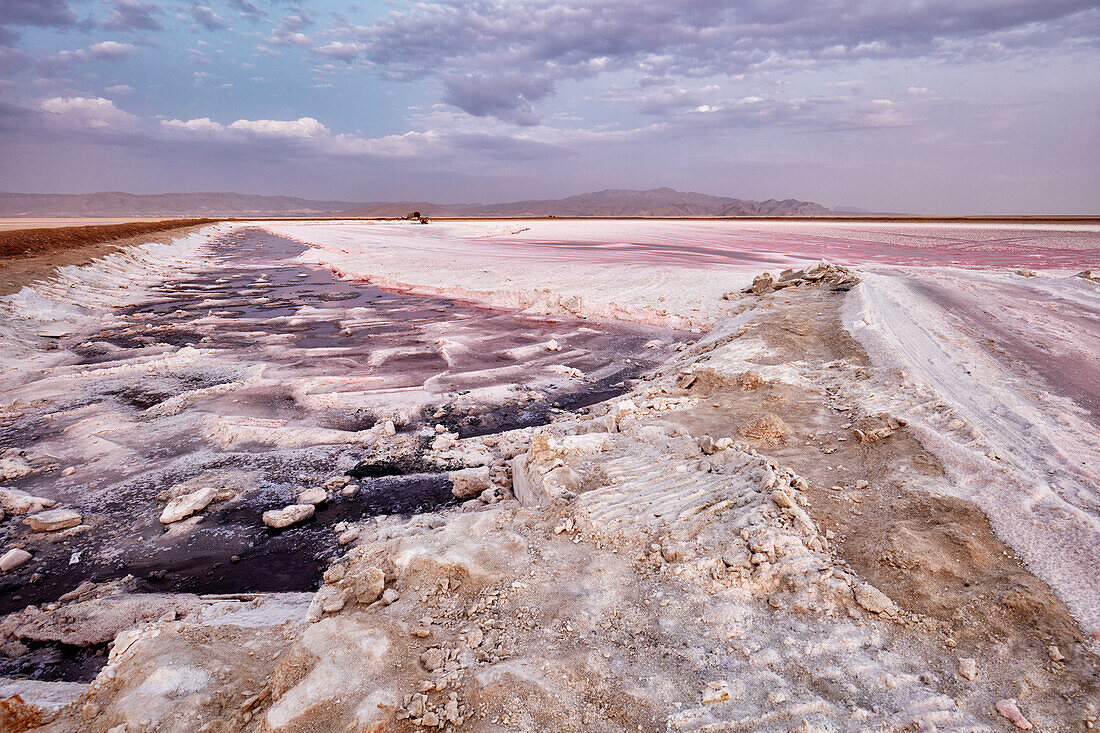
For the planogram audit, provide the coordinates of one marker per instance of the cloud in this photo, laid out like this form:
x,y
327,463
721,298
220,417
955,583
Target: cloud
x,y
542,44
507,97
341,50
42,13
248,10
288,31
110,50
205,16
133,15
102,51
15,118
94,113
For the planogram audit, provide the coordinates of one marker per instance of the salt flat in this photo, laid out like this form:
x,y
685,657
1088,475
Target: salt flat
x,y
851,499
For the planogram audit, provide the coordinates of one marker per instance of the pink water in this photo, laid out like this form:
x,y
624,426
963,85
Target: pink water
x,y
713,244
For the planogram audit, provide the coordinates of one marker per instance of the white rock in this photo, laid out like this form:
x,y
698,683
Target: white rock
x,y
312,496
184,506
873,600
444,441
14,501
469,482
288,515
53,520
14,466
723,691
968,668
13,558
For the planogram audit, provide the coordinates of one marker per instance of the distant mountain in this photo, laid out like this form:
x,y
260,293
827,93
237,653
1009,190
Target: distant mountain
x,y
116,204
612,202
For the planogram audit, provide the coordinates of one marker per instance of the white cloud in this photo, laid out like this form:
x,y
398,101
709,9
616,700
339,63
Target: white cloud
x,y
341,50
110,50
90,112
102,51
301,128
201,124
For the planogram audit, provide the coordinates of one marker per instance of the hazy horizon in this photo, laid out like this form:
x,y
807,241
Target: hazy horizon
x,y
940,108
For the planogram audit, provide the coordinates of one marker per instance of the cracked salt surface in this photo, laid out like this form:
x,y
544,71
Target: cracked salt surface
x,y
223,361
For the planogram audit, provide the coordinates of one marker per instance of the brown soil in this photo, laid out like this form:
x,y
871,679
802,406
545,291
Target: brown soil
x,y
48,239
44,255
935,555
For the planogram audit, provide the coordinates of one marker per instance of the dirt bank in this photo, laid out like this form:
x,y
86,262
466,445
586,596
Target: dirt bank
x,y
27,255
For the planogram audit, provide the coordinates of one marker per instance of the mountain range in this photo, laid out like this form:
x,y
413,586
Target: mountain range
x,y
611,202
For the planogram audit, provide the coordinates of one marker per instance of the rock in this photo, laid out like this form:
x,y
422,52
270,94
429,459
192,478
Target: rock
x,y
369,585
14,466
433,659
769,429
1089,275
782,499
552,345
723,691
14,501
469,482
312,496
186,505
968,668
69,471
1055,654
762,284
53,520
13,558
390,596
288,515
349,491
873,600
493,495
335,601
444,441
706,444
1009,711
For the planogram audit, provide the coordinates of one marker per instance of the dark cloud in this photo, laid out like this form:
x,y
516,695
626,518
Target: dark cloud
x,y
44,13
247,9
14,118
545,43
507,97
133,15
205,16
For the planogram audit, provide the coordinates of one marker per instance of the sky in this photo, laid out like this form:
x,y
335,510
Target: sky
x,y
914,106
